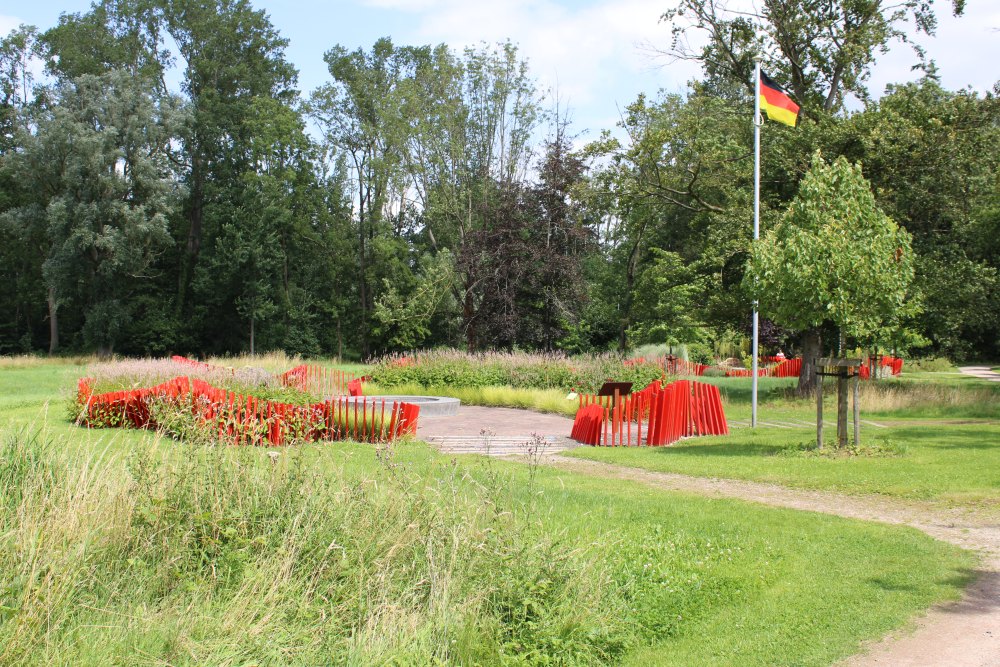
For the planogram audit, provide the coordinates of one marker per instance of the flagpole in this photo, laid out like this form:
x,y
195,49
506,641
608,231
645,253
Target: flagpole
x,y
757,121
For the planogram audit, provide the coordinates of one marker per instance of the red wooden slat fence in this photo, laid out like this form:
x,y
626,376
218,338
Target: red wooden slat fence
x,y
322,381
668,413
242,419
894,364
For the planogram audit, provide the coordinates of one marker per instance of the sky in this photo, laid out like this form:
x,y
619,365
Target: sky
x,y
598,54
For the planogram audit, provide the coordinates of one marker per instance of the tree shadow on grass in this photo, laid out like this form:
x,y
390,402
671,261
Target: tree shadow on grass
x,y
947,438
732,449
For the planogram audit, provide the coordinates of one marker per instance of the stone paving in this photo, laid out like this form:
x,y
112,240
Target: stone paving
x,y
510,431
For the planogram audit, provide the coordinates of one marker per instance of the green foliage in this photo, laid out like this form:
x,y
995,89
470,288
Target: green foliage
x,y
517,370
102,169
930,365
279,241
825,57
404,319
833,257
666,295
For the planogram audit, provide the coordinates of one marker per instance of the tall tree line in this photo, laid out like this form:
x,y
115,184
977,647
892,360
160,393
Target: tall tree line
x,y
425,196
208,219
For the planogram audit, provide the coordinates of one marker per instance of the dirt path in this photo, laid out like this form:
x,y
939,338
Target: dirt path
x,y
962,634
981,372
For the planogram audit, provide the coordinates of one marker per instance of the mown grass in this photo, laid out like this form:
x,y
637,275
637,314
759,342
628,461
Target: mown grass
x,y
922,450
947,463
166,553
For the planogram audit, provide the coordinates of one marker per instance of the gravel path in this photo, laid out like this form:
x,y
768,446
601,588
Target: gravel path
x,y
961,634
981,372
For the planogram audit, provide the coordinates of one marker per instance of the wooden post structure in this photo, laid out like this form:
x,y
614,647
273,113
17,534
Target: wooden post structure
x,y
844,370
819,407
842,410
857,412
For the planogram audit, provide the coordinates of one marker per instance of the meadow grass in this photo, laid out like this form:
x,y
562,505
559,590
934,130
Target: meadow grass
x,y
934,441
342,553
120,546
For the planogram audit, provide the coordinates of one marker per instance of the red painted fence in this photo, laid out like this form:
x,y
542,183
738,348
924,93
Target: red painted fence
x,y
242,419
669,413
322,381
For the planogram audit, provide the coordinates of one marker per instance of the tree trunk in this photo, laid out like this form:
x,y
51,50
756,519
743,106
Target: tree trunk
x,y
340,342
362,282
251,336
195,215
53,322
468,316
812,348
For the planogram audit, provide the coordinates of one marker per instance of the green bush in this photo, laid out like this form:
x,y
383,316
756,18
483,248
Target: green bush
x,y
929,365
516,369
700,353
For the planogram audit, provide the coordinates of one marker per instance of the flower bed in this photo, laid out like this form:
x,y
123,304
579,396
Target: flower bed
x,y
183,406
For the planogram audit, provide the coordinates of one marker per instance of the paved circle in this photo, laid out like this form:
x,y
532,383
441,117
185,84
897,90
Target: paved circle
x,y
496,431
430,406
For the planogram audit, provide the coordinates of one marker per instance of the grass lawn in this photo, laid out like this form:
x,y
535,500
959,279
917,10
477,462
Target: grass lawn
x,y
955,464
117,546
942,442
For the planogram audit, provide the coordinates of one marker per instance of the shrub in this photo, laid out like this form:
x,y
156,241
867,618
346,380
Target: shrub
x,y
700,353
930,365
513,369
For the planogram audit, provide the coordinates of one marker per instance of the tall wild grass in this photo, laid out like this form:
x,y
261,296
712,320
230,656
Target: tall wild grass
x,y
921,399
520,370
125,374
225,556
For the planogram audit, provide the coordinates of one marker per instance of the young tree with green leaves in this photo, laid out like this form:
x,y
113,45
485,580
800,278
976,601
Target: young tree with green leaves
x,y
833,258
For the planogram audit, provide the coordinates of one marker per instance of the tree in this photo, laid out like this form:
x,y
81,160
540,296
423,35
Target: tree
x,y
933,156
404,319
359,115
678,184
666,296
833,257
233,57
23,249
101,168
824,49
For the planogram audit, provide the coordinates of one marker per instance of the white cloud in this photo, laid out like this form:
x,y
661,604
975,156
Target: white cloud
x,y
966,50
8,23
593,56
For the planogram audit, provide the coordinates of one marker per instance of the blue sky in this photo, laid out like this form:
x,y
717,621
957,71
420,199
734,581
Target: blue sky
x,y
600,54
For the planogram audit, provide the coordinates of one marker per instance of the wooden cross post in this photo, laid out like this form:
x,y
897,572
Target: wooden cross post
x,y
844,370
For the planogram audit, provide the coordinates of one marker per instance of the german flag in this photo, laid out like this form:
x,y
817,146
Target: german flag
x,y
776,102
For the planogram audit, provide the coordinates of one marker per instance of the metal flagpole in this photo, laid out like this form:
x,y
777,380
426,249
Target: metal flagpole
x,y
757,121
